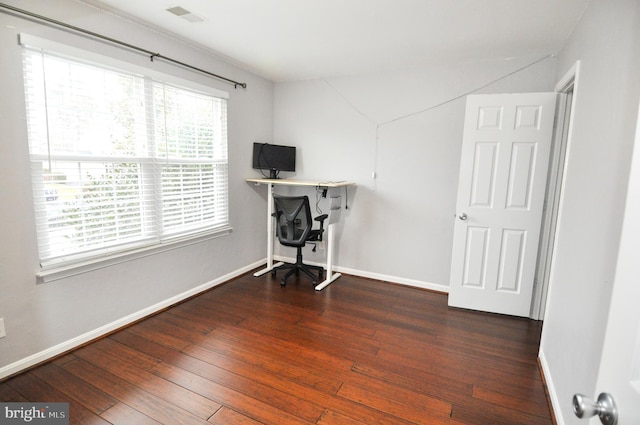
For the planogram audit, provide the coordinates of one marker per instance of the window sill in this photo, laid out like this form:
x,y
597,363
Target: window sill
x,y
63,271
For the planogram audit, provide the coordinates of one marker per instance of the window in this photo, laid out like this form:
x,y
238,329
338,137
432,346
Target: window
x,y
120,160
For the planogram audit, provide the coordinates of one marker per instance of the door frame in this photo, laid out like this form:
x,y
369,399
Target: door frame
x,y
567,88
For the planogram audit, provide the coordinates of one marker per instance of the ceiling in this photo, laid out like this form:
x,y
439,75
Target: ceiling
x,y
285,40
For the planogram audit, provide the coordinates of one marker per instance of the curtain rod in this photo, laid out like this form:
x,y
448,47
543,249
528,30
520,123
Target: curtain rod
x,y
152,55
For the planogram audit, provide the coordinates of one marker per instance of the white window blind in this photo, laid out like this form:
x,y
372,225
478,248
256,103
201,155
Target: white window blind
x,y
120,160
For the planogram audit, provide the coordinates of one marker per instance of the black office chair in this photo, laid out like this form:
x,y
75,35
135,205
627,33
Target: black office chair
x,y
294,228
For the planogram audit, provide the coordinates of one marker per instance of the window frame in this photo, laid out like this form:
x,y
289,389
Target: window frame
x,y
94,259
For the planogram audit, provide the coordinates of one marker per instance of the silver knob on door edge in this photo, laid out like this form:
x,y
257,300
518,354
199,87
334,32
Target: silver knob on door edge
x,y
462,216
605,408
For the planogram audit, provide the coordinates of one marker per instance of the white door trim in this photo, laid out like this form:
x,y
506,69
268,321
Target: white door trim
x,y
559,157
569,83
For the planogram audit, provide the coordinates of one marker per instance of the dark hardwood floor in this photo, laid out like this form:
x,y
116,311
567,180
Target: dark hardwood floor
x,y
250,352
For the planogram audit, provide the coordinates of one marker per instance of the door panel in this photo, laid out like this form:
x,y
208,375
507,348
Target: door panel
x,y
503,173
484,175
521,176
511,260
476,257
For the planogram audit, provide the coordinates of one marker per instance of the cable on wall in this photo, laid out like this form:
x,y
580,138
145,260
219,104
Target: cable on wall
x,y
411,114
152,55
421,111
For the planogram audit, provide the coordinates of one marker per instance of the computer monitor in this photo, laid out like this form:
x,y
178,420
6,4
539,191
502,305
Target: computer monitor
x,y
274,158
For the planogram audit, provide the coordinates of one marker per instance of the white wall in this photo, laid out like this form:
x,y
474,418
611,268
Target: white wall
x,y
606,42
400,225
43,318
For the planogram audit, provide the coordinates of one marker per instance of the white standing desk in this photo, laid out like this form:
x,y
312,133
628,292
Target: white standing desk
x,y
330,276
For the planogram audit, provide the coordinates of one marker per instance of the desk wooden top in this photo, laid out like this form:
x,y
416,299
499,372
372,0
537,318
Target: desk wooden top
x,y
296,182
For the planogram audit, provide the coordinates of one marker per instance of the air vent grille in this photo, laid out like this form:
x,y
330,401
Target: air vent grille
x,y
183,13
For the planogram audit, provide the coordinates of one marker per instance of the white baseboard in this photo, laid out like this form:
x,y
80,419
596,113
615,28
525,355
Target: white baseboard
x,y
386,278
68,345
553,395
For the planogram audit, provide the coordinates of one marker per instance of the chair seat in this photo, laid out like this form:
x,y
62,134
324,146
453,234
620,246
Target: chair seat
x,y
313,236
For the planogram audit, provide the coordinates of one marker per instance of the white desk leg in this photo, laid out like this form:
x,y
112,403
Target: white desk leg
x,y
330,275
270,264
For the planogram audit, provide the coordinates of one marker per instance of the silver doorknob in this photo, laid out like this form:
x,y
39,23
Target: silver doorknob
x,y
462,216
605,408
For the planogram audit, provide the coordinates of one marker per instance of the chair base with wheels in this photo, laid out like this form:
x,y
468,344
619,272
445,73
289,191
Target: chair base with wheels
x,y
297,267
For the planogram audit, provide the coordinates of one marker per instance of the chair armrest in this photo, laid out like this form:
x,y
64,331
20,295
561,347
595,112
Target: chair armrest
x,y
321,219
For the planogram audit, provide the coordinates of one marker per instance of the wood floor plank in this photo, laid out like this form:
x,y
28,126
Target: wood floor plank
x,y
253,304
37,390
399,402
252,388
74,388
63,359
330,342
286,349
424,383
147,381
480,412
206,311
166,333
463,351
333,418
248,406
330,323
464,369
150,405
9,394
122,414
144,343
250,364
530,405
136,358
297,388
226,416
186,326
252,352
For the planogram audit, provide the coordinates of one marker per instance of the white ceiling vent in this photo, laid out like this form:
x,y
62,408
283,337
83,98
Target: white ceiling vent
x,y
183,13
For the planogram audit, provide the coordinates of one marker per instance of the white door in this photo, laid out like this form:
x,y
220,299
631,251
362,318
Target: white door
x,y
619,373
503,173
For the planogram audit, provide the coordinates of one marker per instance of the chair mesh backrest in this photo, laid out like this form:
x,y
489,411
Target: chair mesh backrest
x,y
293,219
